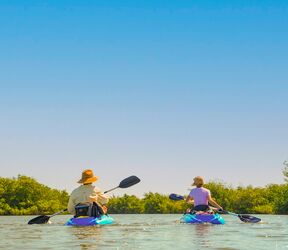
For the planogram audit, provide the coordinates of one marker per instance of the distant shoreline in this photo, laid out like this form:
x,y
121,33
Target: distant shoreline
x,y
25,196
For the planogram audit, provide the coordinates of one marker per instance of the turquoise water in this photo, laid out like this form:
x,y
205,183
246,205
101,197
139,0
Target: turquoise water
x,y
145,232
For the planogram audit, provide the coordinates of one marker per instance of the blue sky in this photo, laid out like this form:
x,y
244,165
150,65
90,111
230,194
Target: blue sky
x,y
165,90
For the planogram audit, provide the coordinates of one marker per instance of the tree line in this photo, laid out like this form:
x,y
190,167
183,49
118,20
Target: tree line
x,y
272,199
25,196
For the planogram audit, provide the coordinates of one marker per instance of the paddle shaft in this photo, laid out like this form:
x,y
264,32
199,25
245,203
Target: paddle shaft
x,y
177,197
127,182
110,190
230,213
58,212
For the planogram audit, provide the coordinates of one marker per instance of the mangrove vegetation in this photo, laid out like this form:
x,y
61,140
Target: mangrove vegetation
x,y
25,196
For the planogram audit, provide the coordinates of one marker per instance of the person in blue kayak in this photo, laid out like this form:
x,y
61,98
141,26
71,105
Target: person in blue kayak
x,y
201,197
87,200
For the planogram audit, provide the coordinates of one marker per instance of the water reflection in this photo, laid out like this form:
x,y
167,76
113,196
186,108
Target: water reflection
x,y
202,233
88,238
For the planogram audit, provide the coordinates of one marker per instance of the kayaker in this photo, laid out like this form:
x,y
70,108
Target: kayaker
x,y
87,200
201,196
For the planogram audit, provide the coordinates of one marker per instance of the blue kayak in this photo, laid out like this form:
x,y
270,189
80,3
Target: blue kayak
x,y
200,218
90,221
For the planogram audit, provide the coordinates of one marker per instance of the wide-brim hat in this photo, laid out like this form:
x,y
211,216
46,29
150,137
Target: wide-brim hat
x,y
88,177
197,181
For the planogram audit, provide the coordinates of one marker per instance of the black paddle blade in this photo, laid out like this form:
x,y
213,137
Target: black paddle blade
x,y
248,218
129,181
42,219
176,197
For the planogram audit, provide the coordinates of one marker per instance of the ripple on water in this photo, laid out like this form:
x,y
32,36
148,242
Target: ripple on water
x,y
144,232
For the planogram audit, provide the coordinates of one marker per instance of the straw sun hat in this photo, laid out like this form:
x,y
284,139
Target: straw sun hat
x,y
88,177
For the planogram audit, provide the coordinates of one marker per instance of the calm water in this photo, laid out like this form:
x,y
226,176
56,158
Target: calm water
x,y
144,232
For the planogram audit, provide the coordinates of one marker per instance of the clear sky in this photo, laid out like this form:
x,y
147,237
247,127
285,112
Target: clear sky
x,y
165,90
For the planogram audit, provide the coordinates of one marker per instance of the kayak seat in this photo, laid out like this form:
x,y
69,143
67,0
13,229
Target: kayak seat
x,y
88,209
201,209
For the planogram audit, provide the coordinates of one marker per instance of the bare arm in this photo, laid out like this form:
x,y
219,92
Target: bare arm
x,y
99,197
213,202
189,200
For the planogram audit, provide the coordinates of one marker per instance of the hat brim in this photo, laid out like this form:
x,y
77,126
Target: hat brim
x,y
88,180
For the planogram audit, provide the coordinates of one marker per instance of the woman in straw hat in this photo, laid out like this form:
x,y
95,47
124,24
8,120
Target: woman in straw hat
x,y
87,193
201,196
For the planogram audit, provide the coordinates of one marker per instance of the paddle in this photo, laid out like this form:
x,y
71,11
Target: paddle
x,y
127,182
242,217
42,219
176,197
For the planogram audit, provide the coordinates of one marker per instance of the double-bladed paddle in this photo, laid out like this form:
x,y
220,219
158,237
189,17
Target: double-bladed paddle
x,y
42,219
127,182
242,217
176,197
